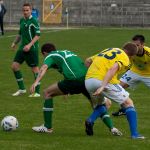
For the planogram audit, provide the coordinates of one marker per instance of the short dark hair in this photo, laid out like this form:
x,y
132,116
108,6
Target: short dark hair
x,y
139,37
130,48
27,4
47,47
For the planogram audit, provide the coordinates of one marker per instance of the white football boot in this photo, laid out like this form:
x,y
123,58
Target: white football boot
x,y
116,132
35,95
19,92
42,129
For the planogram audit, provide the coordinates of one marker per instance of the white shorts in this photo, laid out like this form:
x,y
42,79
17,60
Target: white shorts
x,y
132,79
112,91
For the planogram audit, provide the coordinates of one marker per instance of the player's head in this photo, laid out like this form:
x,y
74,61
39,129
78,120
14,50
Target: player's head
x,y
47,48
27,9
130,49
139,37
1,1
139,40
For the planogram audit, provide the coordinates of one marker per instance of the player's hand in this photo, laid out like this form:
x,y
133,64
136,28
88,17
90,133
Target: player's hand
x,y
32,89
26,48
13,46
98,91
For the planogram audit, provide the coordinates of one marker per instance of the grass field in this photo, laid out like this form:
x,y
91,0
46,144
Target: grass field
x,y
70,113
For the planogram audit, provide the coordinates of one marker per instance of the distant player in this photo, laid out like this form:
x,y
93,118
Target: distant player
x,y
74,71
140,70
28,37
101,80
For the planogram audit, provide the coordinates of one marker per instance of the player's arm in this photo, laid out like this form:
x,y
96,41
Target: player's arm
x,y
89,61
42,72
16,41
109,75
28,46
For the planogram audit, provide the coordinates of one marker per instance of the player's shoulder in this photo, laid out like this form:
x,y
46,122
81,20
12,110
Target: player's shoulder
x,y
34,20
21,19
146,48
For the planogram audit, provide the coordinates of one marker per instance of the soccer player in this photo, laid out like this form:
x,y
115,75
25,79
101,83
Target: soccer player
x,y
101,80
29,35
140,70
74,71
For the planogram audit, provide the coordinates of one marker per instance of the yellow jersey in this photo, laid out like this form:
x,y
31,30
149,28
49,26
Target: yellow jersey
x,y
141,64
103,61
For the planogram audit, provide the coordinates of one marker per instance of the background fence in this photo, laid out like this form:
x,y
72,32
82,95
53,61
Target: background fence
x,y
91,12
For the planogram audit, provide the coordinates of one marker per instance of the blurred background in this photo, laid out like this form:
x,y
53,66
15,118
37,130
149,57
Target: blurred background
x,y
120,13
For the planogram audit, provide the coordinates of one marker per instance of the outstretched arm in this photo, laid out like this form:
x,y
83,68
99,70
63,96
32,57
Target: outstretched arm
x,y
109,75
42,72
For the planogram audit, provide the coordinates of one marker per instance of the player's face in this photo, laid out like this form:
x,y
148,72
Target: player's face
x,y
26,11
140,46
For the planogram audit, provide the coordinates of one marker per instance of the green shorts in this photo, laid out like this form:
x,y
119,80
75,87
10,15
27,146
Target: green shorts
x,y
73,87
31,57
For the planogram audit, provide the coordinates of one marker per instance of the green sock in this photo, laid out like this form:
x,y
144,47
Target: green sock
x,y
19,78
107,120
37,89
48,111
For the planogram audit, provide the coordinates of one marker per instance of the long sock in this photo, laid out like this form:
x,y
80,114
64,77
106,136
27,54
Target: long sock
x,y
98,110
132,120
19,78
48,111
37,89
107,120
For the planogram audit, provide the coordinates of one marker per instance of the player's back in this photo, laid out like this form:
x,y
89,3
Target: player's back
x,y
68,63
105,60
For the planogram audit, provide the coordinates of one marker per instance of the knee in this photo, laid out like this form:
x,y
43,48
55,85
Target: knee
x,y
14,67
35,69
47,94
128,103
107,103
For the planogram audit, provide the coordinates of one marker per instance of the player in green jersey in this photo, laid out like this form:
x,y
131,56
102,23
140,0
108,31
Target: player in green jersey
x,y
73,70
28,37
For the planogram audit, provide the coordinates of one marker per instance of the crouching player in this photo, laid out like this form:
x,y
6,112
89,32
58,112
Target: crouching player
x,y
101,80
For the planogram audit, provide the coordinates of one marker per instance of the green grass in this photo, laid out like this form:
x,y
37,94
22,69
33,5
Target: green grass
x,y
70,113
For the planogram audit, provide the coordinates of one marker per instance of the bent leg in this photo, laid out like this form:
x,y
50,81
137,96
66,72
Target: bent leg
x,y
49,93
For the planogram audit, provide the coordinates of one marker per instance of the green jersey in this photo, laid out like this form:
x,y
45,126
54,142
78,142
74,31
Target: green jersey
x,y
67,63
29,28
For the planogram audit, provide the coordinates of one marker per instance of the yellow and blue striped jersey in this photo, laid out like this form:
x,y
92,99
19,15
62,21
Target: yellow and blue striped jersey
x,y
141,64
103,61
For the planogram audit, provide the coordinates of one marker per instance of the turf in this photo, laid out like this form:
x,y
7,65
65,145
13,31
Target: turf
x,y
70,112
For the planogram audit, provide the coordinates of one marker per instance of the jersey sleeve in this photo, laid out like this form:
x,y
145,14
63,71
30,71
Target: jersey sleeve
x,y
120,64
49,62
93,57
36,27
124,65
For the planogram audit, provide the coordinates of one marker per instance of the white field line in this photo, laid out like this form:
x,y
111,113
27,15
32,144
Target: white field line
x,y
14,35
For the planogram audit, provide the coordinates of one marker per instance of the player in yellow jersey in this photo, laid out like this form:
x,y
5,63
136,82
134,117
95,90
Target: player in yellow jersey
x,y
101,80
140,70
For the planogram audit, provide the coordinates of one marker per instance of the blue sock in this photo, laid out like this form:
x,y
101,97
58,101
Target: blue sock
x,y
132,120
100,109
